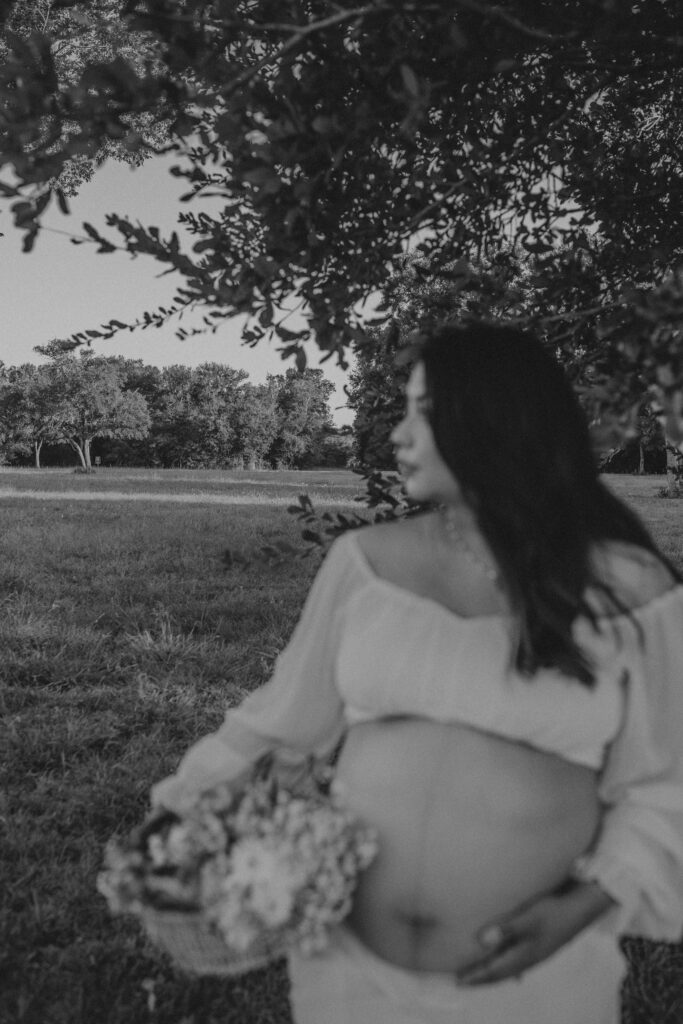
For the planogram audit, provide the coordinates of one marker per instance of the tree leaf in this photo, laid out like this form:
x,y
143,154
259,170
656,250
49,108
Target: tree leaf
x,y
312,536
410,81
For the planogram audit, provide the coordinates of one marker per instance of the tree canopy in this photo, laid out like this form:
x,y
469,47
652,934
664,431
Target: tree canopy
x,y
92,402
79,36
339,135
31,410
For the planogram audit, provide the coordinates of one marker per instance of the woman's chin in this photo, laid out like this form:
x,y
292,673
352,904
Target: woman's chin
x,y
409,486
415,492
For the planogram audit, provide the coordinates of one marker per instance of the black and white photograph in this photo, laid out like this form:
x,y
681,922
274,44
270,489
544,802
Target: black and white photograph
x,y
341,512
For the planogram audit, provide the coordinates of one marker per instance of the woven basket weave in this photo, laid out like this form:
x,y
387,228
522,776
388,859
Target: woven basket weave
x,y
196,948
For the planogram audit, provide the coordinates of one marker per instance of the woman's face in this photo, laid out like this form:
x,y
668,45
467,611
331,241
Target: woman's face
x,y
426,476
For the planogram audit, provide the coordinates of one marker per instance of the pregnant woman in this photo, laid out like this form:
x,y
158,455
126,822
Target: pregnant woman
x,y
504,674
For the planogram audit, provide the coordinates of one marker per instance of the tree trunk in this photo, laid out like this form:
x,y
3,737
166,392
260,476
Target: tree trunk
x,y
641,459
77,448
86,452
37,445
671,464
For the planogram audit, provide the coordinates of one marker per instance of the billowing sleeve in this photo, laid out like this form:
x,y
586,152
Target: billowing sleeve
x,y
638,857
297,713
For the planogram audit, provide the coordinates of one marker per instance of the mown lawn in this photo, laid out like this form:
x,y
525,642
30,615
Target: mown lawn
x,y
238,486
123,638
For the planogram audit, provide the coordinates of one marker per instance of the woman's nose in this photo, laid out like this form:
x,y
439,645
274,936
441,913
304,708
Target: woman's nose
x,y
401,435
397,435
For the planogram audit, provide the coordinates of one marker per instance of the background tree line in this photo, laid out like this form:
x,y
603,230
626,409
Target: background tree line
x,y
128,413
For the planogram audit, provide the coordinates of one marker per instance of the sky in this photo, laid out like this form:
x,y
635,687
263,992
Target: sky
x,y
61,288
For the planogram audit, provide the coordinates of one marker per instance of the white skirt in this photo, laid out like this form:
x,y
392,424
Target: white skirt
x,y
348,984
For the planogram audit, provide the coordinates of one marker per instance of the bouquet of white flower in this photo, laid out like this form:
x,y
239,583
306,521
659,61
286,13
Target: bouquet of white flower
x,y
243,875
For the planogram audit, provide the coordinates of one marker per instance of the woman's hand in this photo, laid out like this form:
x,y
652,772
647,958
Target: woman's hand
x,y
533,932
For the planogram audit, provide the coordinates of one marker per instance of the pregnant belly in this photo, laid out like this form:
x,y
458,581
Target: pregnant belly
x,y
470,826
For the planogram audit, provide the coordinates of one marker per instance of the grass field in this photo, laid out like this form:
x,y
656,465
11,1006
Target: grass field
x,y
237,486
124,636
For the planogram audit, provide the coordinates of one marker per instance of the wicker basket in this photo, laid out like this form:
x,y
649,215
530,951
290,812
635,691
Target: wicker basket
x,y
197,949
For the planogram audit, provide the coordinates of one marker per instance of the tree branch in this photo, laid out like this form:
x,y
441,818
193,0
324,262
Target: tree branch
x,y
300,33
302,30
419,217
495,12
498,14
81,239
581,314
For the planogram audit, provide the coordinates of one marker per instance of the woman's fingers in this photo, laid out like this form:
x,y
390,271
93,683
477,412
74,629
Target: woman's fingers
x,y
512,945
530,935
511,962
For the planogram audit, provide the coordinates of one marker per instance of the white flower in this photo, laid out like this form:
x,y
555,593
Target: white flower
x,y
207,831
272,902
180,844
315,942
325,829
253,861
212,879
157,851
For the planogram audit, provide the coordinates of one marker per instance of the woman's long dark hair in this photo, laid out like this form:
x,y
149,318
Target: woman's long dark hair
x,y
507,423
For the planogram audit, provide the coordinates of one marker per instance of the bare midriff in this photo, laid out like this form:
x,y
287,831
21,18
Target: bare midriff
x,y
470,826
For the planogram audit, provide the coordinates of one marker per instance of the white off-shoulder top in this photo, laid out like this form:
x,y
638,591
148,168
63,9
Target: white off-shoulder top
x,y
365,648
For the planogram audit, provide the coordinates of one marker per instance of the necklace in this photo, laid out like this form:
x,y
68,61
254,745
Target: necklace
x,y
459,541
